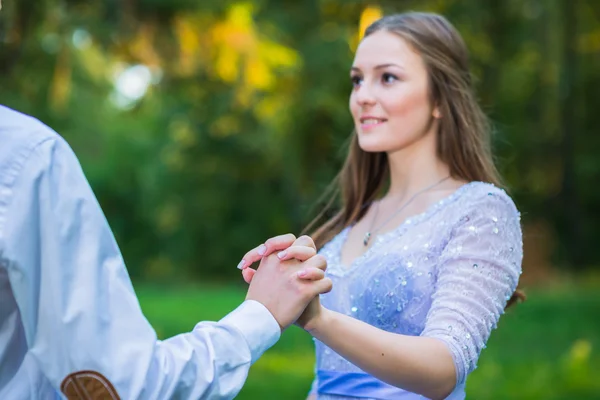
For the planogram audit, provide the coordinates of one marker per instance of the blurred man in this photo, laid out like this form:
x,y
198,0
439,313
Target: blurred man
x,y
69,319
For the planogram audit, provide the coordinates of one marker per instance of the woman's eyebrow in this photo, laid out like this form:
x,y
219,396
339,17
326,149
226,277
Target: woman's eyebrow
x,y
380,66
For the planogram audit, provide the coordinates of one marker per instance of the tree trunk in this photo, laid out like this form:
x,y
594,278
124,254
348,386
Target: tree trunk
x,y
569,200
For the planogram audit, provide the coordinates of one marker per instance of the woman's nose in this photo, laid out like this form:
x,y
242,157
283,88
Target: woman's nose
x,y
364,95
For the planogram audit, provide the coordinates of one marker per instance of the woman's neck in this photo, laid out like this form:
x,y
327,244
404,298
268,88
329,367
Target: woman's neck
x,y
413,169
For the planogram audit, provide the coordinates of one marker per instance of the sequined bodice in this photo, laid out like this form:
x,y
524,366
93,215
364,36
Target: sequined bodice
x,y
446,273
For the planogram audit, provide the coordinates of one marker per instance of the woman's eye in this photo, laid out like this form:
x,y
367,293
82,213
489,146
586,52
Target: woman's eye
x,y
356,81
388,78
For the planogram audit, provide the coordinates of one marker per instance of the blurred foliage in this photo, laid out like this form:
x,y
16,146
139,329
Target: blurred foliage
x,y
206,127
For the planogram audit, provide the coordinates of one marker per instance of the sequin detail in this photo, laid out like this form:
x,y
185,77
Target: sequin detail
x,y
447,275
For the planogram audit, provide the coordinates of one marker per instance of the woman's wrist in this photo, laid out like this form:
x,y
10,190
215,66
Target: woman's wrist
x,y
316,325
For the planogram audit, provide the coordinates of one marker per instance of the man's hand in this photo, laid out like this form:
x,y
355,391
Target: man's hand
x,y
280,285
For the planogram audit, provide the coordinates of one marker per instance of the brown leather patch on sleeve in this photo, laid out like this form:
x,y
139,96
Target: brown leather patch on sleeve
x,y
88,385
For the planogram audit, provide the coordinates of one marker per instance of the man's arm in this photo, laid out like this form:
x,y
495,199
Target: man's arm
x,y
78,306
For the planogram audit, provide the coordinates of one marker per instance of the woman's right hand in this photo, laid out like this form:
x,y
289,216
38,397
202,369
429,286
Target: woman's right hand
x,y
309,319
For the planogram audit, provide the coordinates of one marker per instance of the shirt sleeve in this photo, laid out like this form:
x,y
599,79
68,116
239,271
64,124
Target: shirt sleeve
x,y
78,306
478,272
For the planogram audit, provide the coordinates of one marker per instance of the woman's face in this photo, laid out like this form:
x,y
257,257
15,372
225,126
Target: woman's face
x,y
390,100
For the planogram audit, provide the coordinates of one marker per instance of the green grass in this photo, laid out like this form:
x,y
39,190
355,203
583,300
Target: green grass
x,y
547,348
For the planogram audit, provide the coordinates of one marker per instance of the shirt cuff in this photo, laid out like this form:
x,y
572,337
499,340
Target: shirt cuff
x,y
257,324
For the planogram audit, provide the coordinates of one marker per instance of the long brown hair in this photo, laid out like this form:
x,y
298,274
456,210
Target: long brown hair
x,y
463,137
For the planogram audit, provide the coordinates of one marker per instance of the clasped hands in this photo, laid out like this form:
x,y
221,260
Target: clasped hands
x,y
288,280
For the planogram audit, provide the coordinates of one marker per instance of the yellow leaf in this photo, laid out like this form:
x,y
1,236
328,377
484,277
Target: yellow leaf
x,y
227,64
189,45
367,17
61,81
142,46
236,40
243,97
238,29
94,61
240,15
278,55
267,108
589,42
258,74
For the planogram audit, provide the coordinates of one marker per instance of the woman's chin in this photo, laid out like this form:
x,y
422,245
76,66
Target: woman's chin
x,y
372,146
372,150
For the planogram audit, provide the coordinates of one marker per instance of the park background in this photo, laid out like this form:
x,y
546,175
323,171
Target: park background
x,y
206,127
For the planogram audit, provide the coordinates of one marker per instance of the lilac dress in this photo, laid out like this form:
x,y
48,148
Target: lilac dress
x,y
446,274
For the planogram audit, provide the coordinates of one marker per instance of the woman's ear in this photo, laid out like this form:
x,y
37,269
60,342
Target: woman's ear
x,y
436,113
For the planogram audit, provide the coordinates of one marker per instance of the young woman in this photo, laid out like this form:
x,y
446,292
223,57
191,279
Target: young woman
x,y
426,251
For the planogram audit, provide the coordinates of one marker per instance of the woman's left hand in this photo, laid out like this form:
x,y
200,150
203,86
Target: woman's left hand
x,y
288,247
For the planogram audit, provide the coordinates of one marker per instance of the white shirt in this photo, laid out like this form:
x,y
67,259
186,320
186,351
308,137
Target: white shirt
x,y
67,303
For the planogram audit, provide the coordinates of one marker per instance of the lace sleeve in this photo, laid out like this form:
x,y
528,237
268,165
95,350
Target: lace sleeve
x,y
478,272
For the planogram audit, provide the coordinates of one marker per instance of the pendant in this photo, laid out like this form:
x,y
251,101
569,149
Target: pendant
x,y
367,238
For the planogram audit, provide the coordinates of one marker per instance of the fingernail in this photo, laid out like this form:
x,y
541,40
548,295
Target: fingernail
x,y
302,273
262,250
241,264
282,254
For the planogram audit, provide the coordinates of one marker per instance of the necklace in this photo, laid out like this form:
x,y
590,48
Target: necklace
x,y
371,231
